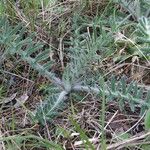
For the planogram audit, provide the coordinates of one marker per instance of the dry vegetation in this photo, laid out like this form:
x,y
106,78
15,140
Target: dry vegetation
x,y
80,125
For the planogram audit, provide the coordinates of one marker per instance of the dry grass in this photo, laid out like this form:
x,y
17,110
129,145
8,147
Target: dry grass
x,y
122,128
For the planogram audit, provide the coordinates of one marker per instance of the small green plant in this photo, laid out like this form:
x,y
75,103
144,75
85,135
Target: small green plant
x,y
135,26
136,8
139,43
77,75
17,142
143,37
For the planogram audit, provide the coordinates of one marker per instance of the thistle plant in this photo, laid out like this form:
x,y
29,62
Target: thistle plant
x,y
77,77
137,18
139,44
136,8
143,38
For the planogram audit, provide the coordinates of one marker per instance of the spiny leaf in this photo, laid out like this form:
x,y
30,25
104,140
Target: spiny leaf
x,y
50,108
31,48
47,65
123,86
42,56
113,82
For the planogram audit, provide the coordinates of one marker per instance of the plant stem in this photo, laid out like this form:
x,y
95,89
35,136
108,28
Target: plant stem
x,y
102,94
116,94
46,73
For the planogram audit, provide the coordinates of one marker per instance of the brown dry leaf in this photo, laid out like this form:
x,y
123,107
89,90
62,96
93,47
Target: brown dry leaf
x,y
21,100
8,99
